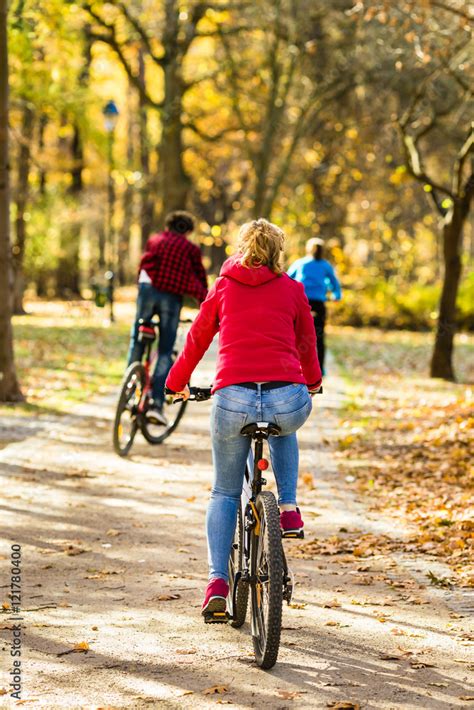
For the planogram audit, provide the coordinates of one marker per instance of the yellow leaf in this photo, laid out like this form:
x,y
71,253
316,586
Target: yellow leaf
x,y
82,646
289,694
216,690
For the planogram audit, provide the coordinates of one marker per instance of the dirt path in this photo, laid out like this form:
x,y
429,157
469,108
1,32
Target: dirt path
x,y
103,539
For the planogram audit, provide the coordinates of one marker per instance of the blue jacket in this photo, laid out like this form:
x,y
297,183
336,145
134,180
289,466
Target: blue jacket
x,y
317,277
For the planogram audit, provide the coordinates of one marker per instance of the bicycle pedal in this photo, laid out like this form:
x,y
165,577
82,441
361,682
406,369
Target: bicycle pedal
x,y
216,617
298,534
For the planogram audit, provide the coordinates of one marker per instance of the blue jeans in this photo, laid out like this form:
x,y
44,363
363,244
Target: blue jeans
x,y
233,407
167,306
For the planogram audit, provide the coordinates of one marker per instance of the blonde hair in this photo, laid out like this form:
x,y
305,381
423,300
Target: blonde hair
x,y
261,243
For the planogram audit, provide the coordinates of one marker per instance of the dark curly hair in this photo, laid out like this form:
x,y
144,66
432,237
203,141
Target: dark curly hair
x,y
180,221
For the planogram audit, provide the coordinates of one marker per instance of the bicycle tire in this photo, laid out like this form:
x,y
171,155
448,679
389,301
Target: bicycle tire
x,y
238,614
136,372
267,599
177,411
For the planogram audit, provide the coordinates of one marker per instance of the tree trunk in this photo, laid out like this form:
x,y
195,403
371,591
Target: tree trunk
x,y
174,181
22,196
68,275
146,200
68,281
442,358
9,388
43,122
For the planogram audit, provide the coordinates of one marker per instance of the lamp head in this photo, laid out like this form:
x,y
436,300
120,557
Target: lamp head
x,y
111,114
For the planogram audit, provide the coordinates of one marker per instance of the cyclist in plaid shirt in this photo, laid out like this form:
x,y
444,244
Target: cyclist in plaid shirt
x,y
171,266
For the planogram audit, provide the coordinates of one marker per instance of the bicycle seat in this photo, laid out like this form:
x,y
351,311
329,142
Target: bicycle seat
x,y
263,429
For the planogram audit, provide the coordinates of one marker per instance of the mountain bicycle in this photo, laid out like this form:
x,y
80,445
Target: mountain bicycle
x,y
257,564
135,394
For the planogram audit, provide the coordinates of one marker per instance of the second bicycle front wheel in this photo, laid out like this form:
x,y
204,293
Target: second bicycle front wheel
x,y
267,570
125,424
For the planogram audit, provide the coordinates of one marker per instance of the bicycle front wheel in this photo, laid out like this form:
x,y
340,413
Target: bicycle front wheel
x,y
125,424
156,433
239,594
267,571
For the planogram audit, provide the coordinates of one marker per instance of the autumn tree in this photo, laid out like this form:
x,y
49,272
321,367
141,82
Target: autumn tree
x,y
124,29
9,389
424,63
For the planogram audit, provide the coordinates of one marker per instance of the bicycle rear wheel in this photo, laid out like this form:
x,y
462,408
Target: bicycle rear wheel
x,y
156,433
267,569
239,612
125,424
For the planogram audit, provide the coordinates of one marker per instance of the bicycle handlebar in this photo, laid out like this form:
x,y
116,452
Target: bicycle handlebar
x,y
201,394
197,394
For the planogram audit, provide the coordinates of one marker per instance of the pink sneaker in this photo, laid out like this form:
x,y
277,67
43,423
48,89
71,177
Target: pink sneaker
x,y
215,597
291,523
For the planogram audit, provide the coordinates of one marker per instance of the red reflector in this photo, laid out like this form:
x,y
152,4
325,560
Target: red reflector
x,y
262,464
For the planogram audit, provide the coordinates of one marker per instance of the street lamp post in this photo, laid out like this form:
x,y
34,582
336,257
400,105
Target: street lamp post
x,y
111,114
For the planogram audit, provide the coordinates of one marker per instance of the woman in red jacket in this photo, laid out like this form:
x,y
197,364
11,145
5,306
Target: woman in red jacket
x,y
266,368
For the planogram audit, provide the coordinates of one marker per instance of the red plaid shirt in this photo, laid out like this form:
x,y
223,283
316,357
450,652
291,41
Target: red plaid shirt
x,y
174,265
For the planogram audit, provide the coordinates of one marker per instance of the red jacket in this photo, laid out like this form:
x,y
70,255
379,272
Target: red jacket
x,y
266,332
174,265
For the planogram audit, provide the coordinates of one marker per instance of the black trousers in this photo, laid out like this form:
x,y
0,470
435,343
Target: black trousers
x,y
318,311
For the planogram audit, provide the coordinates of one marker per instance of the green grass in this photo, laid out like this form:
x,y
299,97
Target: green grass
x,y
365,352
65,357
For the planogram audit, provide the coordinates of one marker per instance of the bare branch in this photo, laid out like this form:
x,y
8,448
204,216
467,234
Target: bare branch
x,y
454,10
110,38
308,111
235,91
466,149
138,27
224,31
416,170
205,77
205,136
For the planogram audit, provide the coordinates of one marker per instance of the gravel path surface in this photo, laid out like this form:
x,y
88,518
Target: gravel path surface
x,y
114,564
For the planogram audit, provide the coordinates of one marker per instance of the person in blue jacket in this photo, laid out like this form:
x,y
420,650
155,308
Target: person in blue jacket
x,y
318,277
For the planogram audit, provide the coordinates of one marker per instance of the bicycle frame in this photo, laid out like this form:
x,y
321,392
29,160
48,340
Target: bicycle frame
x,y
252,486
149,365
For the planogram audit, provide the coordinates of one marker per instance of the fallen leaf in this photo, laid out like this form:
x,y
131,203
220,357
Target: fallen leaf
x,y
288,694
332,605
343,705
216,690
3,691
6,606
167,597
82,646
421,664
466,698
73,550
191,499
113,533
295,605
26,700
